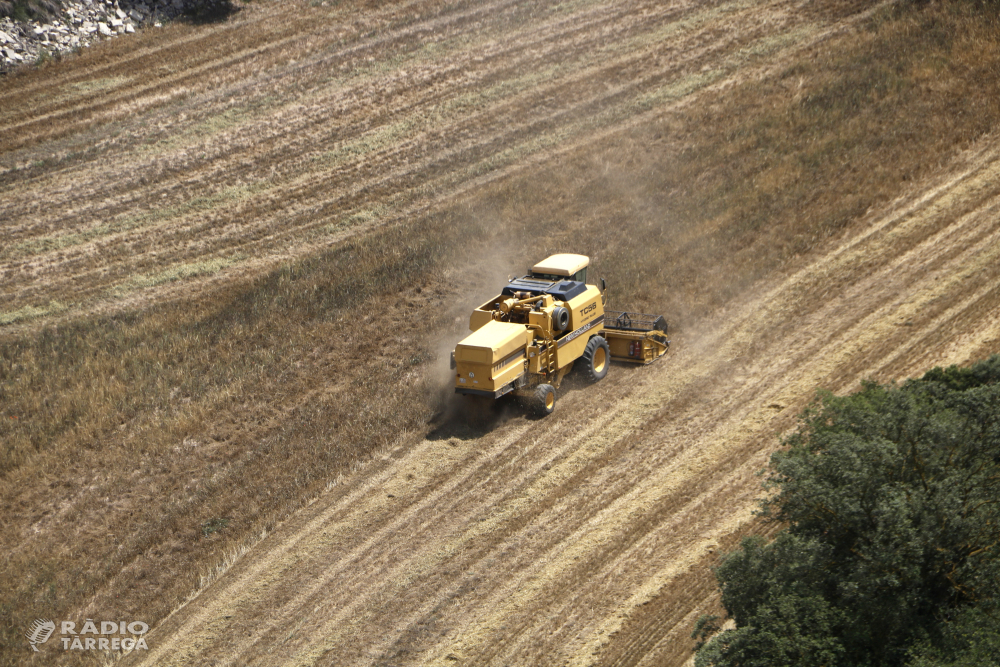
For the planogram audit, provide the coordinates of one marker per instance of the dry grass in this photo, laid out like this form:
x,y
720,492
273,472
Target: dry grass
x,y
123,435
762,174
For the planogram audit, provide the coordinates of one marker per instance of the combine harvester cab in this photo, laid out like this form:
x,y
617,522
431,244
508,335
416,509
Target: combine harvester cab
x,y
526,339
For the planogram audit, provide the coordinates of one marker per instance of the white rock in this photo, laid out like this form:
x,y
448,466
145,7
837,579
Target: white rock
x,y
116,23
129,28
103,27
5,38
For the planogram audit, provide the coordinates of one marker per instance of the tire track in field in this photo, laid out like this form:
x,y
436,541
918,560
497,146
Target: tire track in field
x,y
836,350
347,91
586,540
203,52
237,86
969,246
290,152
225,236
74,212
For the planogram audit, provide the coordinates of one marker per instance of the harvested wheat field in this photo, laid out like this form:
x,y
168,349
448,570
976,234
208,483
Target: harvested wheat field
x,y
234,257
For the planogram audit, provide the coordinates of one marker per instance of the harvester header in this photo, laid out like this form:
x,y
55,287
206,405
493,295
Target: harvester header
x,y
526,339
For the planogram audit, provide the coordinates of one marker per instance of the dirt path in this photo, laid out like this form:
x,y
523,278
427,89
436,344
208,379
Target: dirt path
x,y
586,537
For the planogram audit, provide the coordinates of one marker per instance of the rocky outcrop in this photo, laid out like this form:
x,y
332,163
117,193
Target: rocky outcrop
x,y
80,23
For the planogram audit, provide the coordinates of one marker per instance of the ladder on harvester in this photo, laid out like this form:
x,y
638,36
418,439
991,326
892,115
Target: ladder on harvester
x,y
548,349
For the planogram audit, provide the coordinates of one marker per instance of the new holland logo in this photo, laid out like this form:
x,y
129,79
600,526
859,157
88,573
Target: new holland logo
x,y
579,332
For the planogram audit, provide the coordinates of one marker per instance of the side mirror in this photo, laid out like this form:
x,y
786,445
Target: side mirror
x,y
604,285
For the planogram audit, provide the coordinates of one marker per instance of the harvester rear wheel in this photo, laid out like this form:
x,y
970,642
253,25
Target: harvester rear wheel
x,y
544,399
595,358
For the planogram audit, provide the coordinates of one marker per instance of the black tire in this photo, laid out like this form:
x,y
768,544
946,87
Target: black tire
x,y
544,401
560,318
596,358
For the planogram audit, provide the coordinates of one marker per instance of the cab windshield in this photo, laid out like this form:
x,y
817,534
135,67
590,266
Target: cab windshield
x,y
580,276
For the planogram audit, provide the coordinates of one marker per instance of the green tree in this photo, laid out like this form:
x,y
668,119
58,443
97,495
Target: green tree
x,y
891,500
971,639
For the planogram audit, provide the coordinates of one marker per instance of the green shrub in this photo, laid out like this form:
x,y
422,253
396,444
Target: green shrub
x,y
892,502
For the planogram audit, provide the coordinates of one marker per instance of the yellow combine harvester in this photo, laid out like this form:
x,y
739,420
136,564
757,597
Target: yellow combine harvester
x,y
526,339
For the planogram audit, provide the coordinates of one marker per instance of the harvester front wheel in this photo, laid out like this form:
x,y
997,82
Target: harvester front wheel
x,y
596,357
544,399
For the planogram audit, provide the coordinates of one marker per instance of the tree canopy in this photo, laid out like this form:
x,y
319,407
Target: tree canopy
x,y
891,498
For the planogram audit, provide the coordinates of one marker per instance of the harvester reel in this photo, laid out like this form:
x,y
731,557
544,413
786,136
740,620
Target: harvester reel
x,y
596,358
